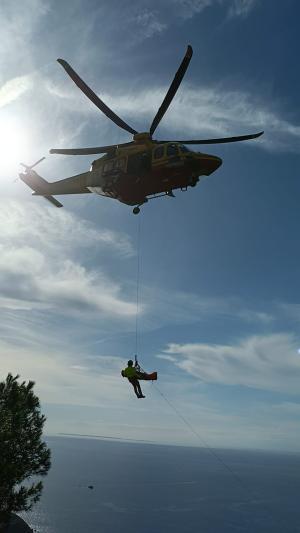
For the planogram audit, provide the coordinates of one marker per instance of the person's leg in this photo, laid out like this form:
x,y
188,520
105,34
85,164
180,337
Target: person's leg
x,y
140,390
136,388
134,383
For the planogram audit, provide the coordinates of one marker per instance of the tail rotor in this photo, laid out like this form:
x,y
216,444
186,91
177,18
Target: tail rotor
x,y
39,185
28,168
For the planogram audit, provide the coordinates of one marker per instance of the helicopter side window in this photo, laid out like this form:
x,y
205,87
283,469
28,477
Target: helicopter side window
x,y
158,152
172,149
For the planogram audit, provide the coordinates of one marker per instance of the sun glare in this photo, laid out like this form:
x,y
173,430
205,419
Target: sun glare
x,y
14,147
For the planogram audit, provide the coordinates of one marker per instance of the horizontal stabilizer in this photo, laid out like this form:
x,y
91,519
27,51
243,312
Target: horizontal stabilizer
x,y
53,201
39,185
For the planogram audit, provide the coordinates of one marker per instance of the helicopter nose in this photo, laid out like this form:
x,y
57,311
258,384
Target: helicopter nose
x,y
207,164
218,162
210,163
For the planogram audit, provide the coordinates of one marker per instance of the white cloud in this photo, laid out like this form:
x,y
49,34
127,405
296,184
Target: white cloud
x,y
235,8
46,265
190,8
206,112
18,23
179,307
148,24
292,311
216,112
40,265
41,225
241,8
287,409
256,316
14,88
85,394
268,362
59,383
28,277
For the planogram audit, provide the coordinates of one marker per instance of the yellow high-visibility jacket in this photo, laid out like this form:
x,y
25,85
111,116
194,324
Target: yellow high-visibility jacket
x,y
130,372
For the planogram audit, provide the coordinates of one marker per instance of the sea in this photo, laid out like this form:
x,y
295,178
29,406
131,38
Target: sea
x,y
105,486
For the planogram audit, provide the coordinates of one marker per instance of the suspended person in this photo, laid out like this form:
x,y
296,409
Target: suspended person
x,y
132,374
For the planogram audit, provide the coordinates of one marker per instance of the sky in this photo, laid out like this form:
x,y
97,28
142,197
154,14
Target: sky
x,y
219,297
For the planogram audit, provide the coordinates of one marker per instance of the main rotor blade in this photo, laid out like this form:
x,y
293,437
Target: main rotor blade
x,y
88,151
173,89
94,98
220,140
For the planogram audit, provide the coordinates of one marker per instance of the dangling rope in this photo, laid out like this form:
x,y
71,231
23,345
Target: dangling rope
x,y
247,490
137,286
203,442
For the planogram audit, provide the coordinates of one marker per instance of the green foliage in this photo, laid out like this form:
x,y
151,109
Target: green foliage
x,y
22,452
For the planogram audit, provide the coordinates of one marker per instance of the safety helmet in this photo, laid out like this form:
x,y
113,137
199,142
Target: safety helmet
x,y
130,362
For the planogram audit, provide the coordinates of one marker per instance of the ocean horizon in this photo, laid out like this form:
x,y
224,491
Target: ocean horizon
x,y
101,486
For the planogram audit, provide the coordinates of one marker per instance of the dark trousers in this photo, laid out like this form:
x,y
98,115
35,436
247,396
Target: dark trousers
x,y
136,385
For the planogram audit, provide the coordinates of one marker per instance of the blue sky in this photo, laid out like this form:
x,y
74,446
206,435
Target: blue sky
x,y
219,297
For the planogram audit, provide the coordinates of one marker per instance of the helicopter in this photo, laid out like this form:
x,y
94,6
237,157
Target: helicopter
x,y
139,170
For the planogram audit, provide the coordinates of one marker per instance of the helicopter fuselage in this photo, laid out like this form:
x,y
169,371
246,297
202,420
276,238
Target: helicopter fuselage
x,y
132,176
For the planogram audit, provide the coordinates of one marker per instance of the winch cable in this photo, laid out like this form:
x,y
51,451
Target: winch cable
x,y
138,266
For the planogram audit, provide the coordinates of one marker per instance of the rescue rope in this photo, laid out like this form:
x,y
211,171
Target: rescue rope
x,y
137,286
247,490
203,442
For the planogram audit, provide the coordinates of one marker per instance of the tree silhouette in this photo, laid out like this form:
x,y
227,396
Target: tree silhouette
x,y
22,452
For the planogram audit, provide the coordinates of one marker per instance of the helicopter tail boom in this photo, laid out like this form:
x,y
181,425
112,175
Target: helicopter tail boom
x,y
39,185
